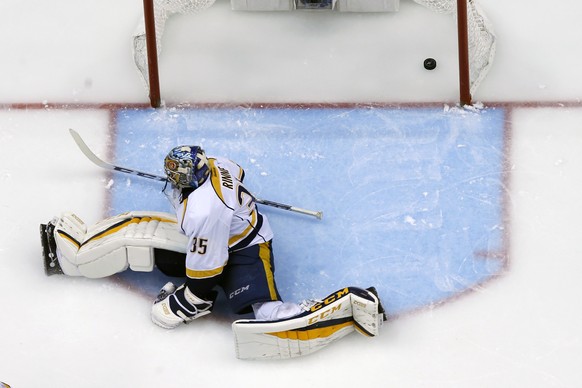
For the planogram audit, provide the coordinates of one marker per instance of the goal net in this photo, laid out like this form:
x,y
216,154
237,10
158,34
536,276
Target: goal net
x,y
156,13
476,36
479,33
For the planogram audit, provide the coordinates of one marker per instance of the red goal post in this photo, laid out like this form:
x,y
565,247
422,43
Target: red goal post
x,y
476,39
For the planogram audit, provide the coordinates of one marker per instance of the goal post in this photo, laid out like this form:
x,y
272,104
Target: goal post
x,y
465,97
147,39
476,39
476,42
153,80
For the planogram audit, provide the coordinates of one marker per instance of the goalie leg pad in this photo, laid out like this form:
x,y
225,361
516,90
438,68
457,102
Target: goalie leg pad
x,y
67,231
321,324
116,243
367,311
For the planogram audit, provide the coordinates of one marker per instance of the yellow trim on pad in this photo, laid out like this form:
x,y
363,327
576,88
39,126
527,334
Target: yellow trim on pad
x,y
305,335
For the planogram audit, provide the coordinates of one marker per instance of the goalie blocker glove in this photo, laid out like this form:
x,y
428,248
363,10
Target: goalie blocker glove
x,y
176,306
337,315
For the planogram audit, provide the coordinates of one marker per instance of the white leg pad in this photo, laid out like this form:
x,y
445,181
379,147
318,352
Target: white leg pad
x,y
334,317
366,316
116,243
140,258
69,230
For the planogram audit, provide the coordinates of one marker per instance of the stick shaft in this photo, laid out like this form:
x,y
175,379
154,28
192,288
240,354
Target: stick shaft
x,y
313,213
112,167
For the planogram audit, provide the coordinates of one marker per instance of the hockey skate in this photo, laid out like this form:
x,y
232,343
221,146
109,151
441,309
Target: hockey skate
x,y
49,250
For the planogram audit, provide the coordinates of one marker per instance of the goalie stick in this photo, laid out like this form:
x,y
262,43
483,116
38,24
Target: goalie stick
x,y
108,166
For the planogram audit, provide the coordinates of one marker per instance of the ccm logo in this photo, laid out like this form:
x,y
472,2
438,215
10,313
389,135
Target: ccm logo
x,y
239,291
324,314
330,299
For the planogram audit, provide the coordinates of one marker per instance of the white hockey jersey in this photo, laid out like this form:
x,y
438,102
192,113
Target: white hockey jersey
x,y
219,217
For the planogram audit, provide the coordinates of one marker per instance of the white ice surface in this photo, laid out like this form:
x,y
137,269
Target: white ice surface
x,y
522,330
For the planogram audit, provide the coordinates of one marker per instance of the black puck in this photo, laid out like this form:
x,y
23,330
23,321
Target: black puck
x,y
429,63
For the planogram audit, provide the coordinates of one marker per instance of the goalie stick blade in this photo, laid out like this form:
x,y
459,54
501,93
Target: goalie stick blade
x,y
49,251
106,165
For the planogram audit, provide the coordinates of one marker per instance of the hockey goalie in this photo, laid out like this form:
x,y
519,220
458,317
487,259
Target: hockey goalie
x,y
216,240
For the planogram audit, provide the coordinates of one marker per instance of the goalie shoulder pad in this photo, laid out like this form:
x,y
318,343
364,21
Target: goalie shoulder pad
x,y
326,321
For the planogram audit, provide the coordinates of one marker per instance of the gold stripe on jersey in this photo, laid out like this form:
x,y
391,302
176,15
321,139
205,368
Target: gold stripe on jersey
x,y
248,230
221,180
202,274
220,177
241,173
184,214
265,256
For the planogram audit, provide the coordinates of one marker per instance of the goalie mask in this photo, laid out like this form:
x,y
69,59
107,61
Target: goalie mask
x,y
186,167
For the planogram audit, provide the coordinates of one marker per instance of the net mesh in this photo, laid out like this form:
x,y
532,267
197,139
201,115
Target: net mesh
x,y
480,32
163,9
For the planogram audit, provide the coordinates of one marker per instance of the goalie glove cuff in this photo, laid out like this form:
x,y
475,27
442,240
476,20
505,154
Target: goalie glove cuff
x,y
179,306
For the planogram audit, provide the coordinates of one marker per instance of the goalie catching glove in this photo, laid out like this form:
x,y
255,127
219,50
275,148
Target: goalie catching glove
x,y
176,306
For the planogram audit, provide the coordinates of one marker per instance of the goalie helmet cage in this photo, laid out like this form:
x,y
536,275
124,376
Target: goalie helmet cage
x,y
476,40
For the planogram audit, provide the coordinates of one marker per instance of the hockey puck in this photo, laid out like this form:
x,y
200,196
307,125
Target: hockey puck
x,y
429,63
